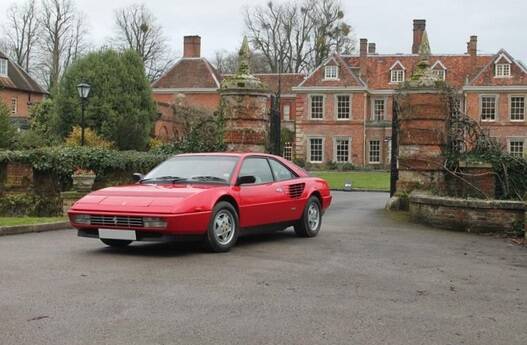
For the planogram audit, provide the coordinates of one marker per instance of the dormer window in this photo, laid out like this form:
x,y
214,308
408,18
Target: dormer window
x,y
397,76
331,72
397,73
503,70
502,66
439,70
3,67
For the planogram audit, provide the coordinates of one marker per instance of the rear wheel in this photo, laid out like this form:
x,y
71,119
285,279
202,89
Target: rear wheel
x,y
115,243
309,224
223,227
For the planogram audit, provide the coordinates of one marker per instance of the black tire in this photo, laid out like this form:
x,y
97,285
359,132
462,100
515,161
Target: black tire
x,y
303,228
115,243
225,213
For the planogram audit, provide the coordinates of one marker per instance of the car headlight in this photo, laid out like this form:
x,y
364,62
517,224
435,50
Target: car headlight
x,y
81,219
154,222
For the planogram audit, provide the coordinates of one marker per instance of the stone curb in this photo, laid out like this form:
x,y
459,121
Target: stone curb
x,y
25,229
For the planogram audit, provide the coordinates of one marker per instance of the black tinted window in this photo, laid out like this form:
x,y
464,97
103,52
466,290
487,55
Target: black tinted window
x,y
280,171
257,167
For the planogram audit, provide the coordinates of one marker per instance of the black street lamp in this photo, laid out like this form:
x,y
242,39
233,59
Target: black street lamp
x,y
84,91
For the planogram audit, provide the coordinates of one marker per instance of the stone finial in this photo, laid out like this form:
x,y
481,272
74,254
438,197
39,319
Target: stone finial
x,y
242,79
423,75
243,57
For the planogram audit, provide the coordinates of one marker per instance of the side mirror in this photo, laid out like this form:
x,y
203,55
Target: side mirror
x,y
137,177
245,180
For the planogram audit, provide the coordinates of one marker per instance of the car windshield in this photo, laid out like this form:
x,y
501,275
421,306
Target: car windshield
x,y
204,169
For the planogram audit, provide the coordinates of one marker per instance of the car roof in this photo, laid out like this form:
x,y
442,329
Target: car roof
x,y
235,154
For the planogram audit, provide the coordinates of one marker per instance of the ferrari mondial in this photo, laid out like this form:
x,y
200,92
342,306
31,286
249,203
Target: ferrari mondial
x,y
213,196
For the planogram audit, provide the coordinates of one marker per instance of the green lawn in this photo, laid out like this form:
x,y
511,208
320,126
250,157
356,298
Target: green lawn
x,y
378,180
12,221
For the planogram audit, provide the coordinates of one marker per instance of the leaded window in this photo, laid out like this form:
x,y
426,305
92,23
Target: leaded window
x,y
342,150
317,107
316,150
343,107
517,108
488,108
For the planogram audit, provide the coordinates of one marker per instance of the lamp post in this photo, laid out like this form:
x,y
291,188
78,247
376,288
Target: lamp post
x,y
84,91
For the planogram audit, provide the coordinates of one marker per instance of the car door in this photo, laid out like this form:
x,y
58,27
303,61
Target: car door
x,y
292,190
258,200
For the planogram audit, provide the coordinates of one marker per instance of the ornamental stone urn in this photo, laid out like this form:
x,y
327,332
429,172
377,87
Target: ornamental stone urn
x,y
83,180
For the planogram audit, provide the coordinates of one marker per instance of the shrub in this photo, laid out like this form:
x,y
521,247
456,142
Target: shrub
x,y
27,204
7,131
90,139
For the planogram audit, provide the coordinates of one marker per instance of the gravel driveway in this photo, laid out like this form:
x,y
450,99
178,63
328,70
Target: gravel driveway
x,y
368,278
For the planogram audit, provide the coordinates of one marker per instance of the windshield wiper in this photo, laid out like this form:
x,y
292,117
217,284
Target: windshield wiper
x,y
208,178
172,179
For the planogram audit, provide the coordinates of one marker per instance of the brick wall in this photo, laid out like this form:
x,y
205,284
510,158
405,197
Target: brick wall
x,y
23,100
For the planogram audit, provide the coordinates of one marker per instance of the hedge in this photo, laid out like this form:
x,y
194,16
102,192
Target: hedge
x,y
63,161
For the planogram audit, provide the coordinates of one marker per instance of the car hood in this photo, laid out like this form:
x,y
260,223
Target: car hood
x,y
148,198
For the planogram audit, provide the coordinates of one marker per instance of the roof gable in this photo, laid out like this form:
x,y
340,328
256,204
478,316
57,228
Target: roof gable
x,y
438,65
189,73
397,65
486,76
346,77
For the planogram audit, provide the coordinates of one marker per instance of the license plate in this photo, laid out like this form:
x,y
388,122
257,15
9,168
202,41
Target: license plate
x,y
117,234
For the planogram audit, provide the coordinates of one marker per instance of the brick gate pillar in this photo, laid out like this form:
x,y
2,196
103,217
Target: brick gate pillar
x,y
245,109
423,115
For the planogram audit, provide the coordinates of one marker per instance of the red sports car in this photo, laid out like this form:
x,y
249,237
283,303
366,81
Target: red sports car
x,y
214,196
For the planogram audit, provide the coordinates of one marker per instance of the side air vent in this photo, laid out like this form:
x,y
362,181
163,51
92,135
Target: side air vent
x,y
296,190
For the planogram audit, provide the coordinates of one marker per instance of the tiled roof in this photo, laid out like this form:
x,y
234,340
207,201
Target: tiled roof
x,y
18,79
346,77
460,68
287,81
189,73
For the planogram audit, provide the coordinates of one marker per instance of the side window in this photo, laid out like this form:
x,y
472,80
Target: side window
x,y
280,171
257,167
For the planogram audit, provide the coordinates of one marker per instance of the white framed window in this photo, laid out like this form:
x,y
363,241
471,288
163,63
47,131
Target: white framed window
x,y
378,109
397,75
317,107
439,73
14,105
331,72
343,107
287,112
288,151
316,150
503,70
488,108
375,152
517,108
3,67
342,150
517,147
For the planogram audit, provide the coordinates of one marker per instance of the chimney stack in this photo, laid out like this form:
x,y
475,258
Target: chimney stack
x,y
419,28
371,48
363,57
192,46
472,46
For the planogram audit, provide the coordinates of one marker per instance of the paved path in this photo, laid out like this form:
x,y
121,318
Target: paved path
x,y
367,279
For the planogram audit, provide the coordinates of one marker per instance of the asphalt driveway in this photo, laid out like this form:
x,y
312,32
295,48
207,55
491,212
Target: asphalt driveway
x,y
368,278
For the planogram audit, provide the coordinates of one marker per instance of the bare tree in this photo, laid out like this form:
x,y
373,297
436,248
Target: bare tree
x,y
63,38
137,29
227,62
22,32
297,36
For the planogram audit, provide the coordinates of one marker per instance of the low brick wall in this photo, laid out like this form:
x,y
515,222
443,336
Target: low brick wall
x,y
471,215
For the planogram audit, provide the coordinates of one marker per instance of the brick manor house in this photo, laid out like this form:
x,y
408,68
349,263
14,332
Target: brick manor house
x,y
342,110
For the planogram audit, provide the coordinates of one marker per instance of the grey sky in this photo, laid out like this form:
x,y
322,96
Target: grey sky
x,y
498,24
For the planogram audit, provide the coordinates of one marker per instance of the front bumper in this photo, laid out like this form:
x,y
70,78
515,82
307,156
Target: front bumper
x,y
146,236
177,224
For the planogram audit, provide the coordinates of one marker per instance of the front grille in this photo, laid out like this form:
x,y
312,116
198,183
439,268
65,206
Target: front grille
x,y
296,190
121,221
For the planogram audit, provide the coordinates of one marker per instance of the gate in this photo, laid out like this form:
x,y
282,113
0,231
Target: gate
x,y
394,165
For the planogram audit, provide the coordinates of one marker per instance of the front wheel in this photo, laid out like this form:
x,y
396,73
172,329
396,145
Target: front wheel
x,y
115,243
309,224
223,227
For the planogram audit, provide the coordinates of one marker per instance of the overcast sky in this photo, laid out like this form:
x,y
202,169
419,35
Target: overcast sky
x,y
498,24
